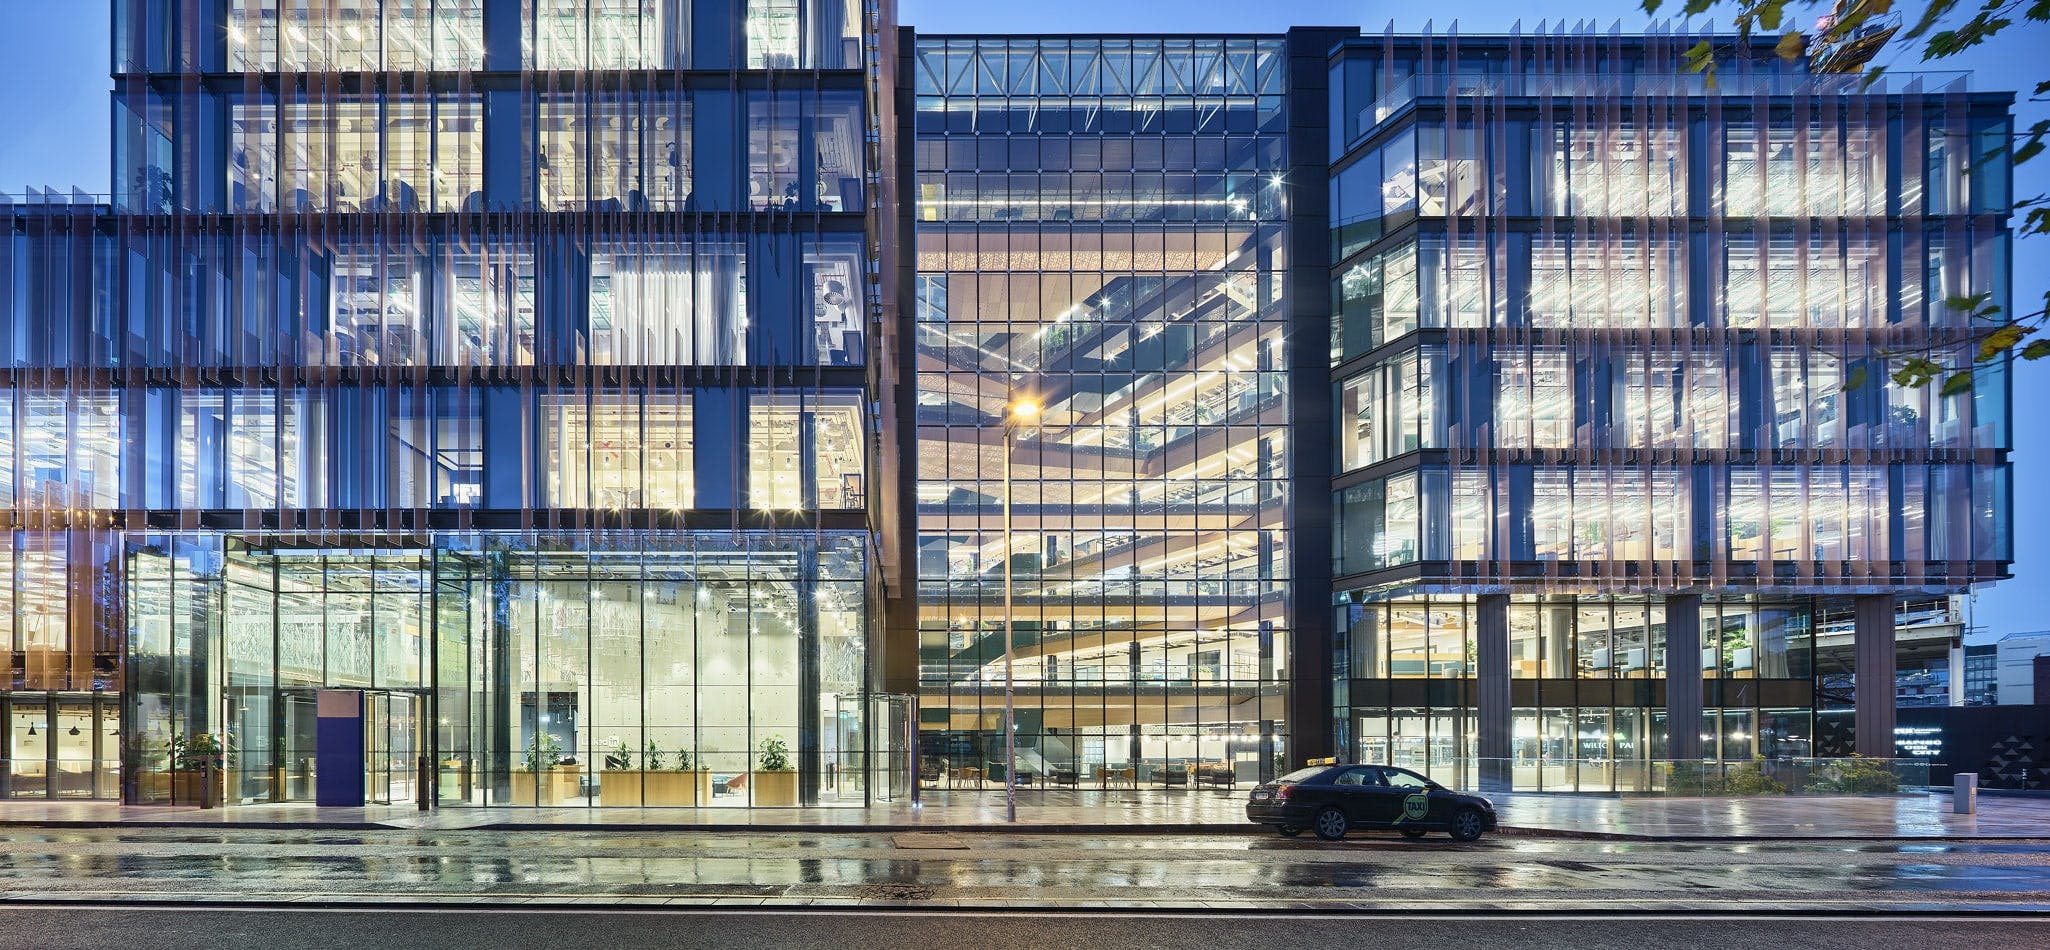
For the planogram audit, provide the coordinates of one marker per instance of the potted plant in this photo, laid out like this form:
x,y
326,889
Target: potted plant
x,y
662,780
618,758
192,756
622,782
547,776
684,783
775,784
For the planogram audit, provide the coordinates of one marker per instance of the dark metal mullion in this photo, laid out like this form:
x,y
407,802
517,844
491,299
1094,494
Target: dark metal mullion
x,y
52,786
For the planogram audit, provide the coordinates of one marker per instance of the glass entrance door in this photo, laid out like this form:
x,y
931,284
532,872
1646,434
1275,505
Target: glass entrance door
x,y
296,734
390,746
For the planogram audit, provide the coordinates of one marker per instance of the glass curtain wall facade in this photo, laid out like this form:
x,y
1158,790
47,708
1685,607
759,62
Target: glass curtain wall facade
x,y
615,394
1100,229
508,361
1609,350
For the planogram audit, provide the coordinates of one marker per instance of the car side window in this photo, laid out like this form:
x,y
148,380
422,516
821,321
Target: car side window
x,y
1401,779
1363,777
1351,778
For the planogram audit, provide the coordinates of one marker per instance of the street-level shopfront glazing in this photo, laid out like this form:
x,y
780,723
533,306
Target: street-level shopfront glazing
x,y
535,669
1587,686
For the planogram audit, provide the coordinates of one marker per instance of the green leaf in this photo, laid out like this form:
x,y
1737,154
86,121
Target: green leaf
x,y
1914,371
1769,13
1957,383
1967,304
1856,378
1651,7
1790,45
1698,56
2043,88
2028,151
2036,350
2000,341
2036,222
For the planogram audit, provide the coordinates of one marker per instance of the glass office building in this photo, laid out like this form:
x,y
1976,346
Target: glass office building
x,y
510,363
613,396
1614,426
1100,229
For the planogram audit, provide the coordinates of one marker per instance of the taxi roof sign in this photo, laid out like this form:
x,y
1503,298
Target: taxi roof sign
x,y
1327,760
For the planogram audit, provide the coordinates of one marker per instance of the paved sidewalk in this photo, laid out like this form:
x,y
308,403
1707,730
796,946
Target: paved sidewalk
x,y
1775,819
1913,816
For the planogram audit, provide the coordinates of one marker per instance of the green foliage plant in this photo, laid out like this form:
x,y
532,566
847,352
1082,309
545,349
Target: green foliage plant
x,y
775,755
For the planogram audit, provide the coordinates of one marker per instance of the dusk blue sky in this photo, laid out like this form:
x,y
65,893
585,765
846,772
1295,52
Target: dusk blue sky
x,y
54,131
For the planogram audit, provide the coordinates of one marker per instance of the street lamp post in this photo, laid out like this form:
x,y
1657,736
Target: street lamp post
x,y
1017,412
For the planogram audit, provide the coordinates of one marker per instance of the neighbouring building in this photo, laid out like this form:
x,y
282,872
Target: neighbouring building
x,y
1982,661
1614,437
2017,666
609,402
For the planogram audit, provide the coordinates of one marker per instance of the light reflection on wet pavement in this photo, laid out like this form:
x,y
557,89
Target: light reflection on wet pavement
x,y
1010,870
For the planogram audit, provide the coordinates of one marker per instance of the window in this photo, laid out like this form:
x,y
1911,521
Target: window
x,y
835,284
1360,778
618,451
1599,282
1534,404
803,34
1397,778
484,306
1378,524
69,446
607,34
1377,300
805,152
1392,409
806,451
668,304
399,152
1618,170
375,308
437,449
613,151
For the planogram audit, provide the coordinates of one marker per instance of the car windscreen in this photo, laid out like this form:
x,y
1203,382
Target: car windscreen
x,y
1304,775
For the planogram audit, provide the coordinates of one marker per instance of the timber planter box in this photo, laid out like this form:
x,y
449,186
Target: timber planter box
x,y
556,785
631,787
774,789
188,785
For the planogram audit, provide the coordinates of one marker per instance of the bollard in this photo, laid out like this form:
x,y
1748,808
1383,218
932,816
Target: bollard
x,y
1966,799
424,781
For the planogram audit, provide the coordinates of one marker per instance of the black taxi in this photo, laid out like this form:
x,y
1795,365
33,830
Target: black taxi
x,y
1334,799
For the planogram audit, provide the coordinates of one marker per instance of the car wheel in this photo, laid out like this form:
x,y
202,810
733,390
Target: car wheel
x,y
1288,832
1467,825
1331,824
1412,833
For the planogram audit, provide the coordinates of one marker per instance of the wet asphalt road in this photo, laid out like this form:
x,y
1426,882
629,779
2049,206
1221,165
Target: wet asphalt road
x,y
745,929
1225,872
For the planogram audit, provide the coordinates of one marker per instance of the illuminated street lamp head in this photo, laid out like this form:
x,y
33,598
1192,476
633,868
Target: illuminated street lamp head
x,y
1024,410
